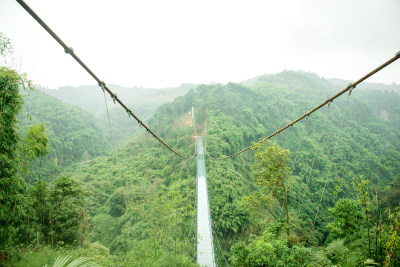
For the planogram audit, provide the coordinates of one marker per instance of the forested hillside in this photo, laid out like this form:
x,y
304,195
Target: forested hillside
x,y
74,135
142,101
141,205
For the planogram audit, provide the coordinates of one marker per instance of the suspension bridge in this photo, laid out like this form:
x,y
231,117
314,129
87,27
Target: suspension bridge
x,y
205,248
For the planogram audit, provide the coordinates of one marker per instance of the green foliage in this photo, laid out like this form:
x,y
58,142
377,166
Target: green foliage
x,y
336,252
143,209
33,145
12,188
78,262
5,46
270,249
272,174
68,199
346,217
73,136
392,238
142,206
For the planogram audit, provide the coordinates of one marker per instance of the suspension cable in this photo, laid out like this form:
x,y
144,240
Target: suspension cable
x,y
315,156
70,51
220,249
351,86
109,125
330,163
298,145
287,137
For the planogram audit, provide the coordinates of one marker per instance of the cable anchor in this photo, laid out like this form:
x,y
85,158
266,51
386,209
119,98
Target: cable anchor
x,y
69,50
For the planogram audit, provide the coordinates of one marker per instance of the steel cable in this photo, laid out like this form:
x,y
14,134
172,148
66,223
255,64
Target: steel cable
x,y
315,156
287,137
109,124
330,164
70,50
298,145
220,249
329,100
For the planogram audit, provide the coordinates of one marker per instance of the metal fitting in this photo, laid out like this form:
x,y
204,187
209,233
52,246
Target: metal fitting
x,y
69,50
351,87
102,85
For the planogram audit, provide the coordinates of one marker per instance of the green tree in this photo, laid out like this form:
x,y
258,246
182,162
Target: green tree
x,y
34,144
12,187
272,174
40,202
361,186
68,214
346,217
392,237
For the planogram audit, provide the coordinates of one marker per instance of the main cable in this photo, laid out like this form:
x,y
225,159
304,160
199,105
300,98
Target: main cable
x,y
70,50
351,86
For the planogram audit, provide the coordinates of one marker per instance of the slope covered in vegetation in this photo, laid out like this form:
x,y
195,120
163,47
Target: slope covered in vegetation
x,y
237,116
141,201
74,135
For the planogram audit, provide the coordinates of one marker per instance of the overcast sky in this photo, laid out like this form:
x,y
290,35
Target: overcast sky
x,y
159,43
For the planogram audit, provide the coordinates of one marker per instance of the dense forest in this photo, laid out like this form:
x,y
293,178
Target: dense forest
x,y
324,192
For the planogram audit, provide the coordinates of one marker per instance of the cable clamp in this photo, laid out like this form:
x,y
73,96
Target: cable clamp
x,y
398,54
114,97
329,101
351,87
129,112
69,50
307,115
102,85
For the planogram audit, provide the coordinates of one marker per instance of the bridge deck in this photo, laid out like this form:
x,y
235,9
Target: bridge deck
x,y
205,249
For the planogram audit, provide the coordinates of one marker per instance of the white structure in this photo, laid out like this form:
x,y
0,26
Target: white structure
x,y
205,248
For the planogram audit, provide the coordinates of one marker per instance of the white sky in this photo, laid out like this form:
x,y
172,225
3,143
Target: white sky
x,y
159,43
